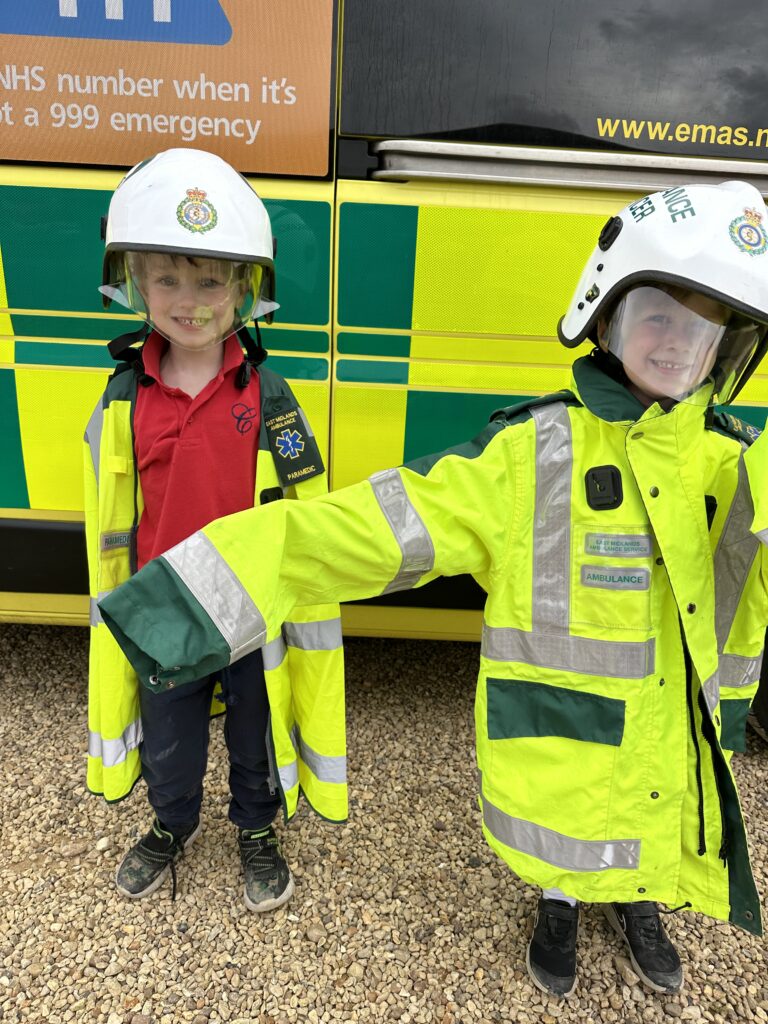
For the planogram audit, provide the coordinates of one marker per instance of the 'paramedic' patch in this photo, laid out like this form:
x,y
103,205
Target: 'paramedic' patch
x,y
113,541
624,545
611,578
293,446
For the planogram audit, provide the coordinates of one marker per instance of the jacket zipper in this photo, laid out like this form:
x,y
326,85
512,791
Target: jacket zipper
x,y
708,731
695,738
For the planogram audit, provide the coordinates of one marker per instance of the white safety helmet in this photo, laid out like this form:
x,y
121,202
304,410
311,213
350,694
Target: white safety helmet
x,y
693,240
193,207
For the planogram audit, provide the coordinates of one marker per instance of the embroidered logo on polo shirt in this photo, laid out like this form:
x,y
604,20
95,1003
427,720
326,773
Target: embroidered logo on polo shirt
x,y
244,417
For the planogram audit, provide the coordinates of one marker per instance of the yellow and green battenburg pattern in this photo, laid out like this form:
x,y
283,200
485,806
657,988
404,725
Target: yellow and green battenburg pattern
x,y
447,303
53,329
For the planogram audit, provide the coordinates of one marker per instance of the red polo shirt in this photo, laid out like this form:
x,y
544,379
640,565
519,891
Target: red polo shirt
x,y
196,456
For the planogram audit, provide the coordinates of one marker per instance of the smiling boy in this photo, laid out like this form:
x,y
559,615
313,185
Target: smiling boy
x,y
180,438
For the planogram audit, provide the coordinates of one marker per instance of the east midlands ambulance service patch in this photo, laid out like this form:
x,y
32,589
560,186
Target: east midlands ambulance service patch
x,y
748,233
196,213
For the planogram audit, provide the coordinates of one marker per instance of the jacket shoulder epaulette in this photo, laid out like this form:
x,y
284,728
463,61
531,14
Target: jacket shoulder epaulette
x,y
121,385
522,410
733,426
272,383
499,420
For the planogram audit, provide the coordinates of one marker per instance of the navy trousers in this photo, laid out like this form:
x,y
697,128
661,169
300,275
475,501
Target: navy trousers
x,y
174,751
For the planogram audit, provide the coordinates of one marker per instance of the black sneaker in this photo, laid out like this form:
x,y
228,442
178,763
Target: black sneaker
x,y
268,880
654,958
146,864
551,956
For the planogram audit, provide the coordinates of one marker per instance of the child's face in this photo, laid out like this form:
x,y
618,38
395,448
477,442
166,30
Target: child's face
x,y
191,304
666,343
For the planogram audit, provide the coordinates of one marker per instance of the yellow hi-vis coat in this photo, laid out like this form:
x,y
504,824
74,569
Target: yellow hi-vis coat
x,y
303,664
622,638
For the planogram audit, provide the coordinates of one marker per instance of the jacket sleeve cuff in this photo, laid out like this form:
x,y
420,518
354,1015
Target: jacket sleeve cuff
x,y
163,630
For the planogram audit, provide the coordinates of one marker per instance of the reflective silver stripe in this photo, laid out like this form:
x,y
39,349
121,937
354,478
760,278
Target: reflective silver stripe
x,y
289,776
737,670
114,752
612,658
552,520
735,553
762,536
554,848
323,767
314,636
410,532
549,644
274,652
711,691
305,423
220,593
93,436
93,607
306,636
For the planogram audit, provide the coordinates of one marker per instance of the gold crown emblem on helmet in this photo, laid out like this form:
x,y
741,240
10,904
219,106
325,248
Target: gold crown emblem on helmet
x,y
752,216
196,194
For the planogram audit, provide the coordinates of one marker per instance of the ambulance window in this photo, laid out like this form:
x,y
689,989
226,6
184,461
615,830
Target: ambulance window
x,y
646,76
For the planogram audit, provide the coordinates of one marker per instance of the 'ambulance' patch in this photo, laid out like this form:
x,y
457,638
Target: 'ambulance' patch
x,y
615,578
293,446
625,545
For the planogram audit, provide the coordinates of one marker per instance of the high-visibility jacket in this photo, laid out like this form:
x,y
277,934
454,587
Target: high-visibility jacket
x,y
303,664
622,635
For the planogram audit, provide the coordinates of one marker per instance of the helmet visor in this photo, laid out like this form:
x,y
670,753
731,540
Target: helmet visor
x,y
192,301
671,342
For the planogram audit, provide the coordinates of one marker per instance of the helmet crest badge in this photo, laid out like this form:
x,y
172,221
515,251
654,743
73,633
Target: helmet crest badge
x,y
748,232
195,212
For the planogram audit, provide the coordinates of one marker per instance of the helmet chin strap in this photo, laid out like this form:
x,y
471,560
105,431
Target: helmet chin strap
x,y
255,354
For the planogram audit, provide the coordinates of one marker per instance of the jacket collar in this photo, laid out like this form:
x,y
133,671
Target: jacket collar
x,y
610,400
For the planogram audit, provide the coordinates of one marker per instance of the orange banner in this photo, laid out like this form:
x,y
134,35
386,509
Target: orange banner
x,y
114,81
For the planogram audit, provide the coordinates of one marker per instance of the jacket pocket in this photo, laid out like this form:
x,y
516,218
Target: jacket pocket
x,y
518,709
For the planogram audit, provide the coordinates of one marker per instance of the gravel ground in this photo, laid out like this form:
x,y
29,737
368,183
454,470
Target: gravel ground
x,y
403,914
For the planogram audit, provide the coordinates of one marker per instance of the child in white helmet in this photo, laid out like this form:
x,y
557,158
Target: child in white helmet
x,y
189,429
611,526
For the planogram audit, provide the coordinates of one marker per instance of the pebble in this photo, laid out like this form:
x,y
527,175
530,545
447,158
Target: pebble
x,y
624,969
400,914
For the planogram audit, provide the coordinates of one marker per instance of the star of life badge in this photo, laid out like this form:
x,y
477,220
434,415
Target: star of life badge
x,y
196,212
291,441
748,233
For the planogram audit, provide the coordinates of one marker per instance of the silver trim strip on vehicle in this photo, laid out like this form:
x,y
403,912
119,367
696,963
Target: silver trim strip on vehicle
x,y
415,160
